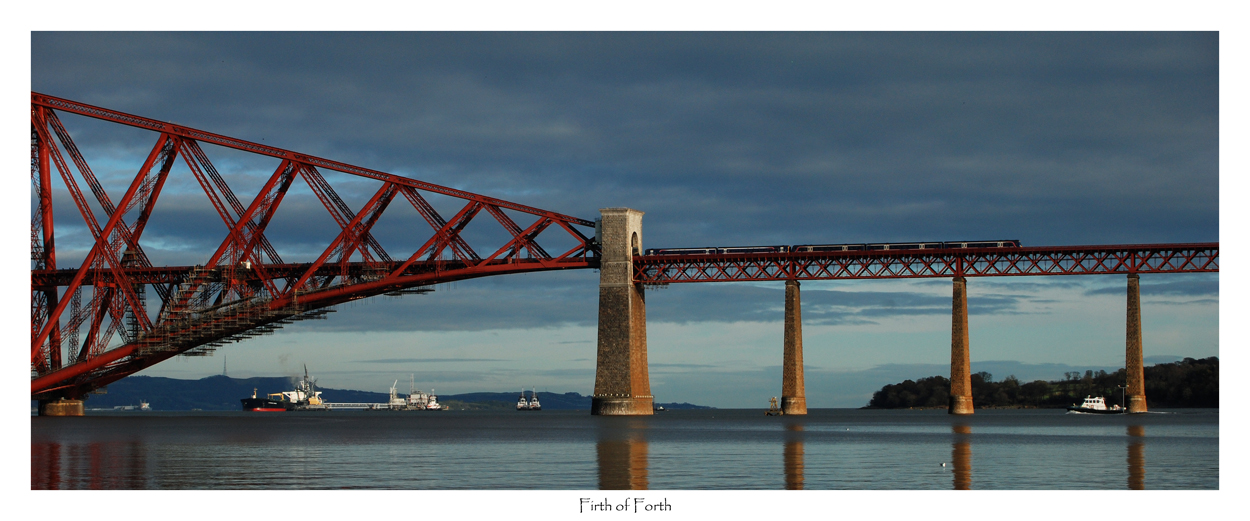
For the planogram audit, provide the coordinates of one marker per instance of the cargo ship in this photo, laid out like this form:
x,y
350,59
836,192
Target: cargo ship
x,y
305,397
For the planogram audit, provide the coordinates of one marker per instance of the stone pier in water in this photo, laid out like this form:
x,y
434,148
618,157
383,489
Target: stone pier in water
x,y
961,366
793,398
622,385
1134,366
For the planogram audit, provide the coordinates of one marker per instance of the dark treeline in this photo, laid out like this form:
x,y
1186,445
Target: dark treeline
x,y
1187,383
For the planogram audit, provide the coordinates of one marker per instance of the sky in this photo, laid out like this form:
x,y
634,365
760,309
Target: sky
x,y
724,139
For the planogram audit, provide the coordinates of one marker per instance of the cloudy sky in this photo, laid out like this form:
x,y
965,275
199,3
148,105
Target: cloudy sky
x,y
722,139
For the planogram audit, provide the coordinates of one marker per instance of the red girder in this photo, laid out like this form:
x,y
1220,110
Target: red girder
x,y
972,262
459,247
341,212
247,146
243,285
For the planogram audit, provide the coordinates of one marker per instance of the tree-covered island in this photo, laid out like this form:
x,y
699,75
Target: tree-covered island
x,y
1186,383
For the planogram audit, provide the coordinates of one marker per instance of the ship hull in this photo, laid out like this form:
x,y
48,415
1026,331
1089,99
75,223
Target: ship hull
x,y
264,405
1096,411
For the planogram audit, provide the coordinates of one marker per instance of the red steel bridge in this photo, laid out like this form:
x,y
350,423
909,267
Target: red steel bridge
x,y
243,287
899,264
96,322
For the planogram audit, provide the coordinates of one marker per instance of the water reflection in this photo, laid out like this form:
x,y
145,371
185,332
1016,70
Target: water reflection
x,y
961,456
794,456
622,455
95,466
45,466
1137,457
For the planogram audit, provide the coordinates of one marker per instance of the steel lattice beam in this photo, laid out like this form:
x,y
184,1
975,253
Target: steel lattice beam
x,y
972,262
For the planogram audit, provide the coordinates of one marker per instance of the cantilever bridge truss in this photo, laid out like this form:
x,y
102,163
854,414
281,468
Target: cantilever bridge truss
x,y
98,322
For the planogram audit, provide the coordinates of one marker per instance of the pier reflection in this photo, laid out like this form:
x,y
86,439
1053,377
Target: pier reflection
x,y
95,466
961,456
45,466
622,455
1136,457
794,456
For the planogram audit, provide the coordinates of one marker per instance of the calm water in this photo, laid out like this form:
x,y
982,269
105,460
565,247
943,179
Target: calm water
x,y
676,450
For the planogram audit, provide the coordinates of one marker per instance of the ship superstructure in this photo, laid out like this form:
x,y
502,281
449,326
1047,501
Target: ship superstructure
x,y
417,400
534,405
305,397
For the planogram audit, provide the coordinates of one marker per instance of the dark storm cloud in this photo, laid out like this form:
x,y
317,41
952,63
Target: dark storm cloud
x,y
723,138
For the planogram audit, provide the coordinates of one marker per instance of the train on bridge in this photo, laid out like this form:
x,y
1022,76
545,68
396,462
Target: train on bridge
x,y
887,246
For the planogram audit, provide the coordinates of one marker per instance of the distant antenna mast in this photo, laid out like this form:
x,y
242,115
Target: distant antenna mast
x,y
223,365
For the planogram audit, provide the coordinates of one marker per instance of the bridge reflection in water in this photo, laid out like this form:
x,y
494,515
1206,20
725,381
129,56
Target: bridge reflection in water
x,y
794,456
93,466
622,455
1136,457
961,456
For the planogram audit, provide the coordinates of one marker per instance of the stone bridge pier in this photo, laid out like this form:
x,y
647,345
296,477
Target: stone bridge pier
x,y
793,396
961,367
1134,366
622,385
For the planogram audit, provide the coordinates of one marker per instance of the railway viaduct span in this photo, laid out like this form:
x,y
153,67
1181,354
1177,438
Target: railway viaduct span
x,y
96,323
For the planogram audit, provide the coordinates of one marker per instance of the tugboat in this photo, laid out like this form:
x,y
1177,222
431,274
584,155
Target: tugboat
x,y
305,397
534,405
1096,405
521,403
432,404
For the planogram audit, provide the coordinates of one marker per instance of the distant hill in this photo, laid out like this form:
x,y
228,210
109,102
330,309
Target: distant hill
x,y
222,393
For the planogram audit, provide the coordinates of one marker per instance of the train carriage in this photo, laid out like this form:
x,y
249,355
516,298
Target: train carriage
x,y
804,248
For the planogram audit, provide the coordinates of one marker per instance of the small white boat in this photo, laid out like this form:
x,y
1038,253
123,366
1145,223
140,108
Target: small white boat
x,y
534,405
521,403
432,404
1096,405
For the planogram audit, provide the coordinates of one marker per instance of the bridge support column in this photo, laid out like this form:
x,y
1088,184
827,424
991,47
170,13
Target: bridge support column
x,y
961,367
60,407
622,384
1134,369
793,398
